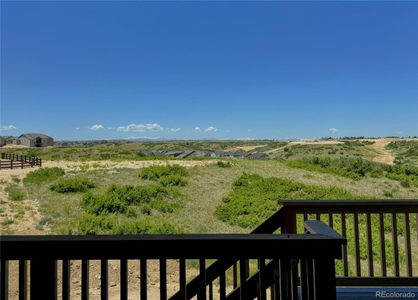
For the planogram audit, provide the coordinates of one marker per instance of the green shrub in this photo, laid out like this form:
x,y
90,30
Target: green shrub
x,y
92,224
15,192
254,198
224,164
156,172
89,224
145,226
72,185
102,204
43,174
173,180
117,198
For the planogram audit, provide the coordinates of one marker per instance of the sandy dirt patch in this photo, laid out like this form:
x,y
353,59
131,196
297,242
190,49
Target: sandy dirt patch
x,y
20,217
383,155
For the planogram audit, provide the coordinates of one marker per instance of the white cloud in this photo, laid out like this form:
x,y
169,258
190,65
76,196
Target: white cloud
x,y
333,130
7,127
96,127
77,128
174,129
197,129
140,127
211,129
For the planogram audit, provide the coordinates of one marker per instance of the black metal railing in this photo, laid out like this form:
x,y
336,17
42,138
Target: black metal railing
x,y
382,236
277,253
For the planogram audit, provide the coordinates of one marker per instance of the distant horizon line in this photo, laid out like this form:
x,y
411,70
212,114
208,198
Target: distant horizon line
x,y
237,139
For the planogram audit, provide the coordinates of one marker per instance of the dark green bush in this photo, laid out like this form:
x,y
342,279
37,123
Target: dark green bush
x,y
224,164
102,204
156,172
43,175
118,198
72,185
92,224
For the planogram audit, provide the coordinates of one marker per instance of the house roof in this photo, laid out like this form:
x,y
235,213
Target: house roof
x,y
32,136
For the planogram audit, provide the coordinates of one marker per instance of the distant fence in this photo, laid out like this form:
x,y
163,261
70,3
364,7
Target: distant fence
x,y
15,161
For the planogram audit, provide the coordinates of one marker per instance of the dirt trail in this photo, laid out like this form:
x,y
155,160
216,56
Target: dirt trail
x,y
244,148
383,155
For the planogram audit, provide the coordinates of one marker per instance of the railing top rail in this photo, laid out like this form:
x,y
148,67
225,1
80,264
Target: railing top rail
x,y
351,206
376,202
170,246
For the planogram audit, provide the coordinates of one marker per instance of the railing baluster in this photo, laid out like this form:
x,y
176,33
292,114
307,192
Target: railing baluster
x,y
235,275
211,290
369,245
182,279
23,279
104,278
163,279
144,276
123,279
382,244
66,279
43,279
85,279
284,269
304,279
4,279
318,216
395,243
243,278
357,245
222,286
330,220
261,274
408,246
202,286
344,234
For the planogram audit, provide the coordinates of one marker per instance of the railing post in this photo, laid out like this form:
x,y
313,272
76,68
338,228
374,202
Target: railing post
x,y
43,279
289,220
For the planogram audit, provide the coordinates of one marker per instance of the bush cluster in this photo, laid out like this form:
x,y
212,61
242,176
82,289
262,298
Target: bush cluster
x,y
118,198
157,172
253,198
72,185
357,168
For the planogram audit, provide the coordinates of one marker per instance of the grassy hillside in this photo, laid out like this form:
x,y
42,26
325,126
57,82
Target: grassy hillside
x,y
406,152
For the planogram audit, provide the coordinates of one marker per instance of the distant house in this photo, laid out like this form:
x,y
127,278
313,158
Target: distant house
x,y
35,140
5,140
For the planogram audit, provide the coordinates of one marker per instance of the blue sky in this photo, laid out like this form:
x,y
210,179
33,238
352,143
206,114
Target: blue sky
x,y
81,70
